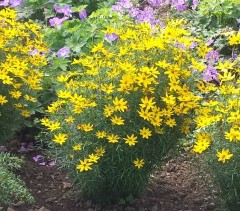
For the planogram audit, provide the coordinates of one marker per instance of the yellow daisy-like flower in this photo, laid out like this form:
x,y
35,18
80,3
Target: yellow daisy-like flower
x,y
120,104
117,120
131,140
3,99
139,163
224,155
60,138
145,132
101,134
93,158
77,147
70,119
112,138
99,151
84,165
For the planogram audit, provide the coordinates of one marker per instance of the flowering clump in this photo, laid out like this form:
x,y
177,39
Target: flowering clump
x,y
218,118
122,107
218,123
21,49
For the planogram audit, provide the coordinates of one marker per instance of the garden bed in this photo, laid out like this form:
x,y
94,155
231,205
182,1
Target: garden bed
x,y
182,184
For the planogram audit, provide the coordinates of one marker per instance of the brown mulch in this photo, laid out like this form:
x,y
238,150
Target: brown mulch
x,y
181,185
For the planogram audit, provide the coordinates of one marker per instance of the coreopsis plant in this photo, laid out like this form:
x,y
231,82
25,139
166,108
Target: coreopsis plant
x,y
218,123
122,107
21,49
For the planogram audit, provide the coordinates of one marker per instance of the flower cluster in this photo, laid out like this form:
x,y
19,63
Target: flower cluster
x,y
67,13
150,11
21,55
218,119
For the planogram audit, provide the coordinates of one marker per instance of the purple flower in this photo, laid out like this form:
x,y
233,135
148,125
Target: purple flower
x,y
4,3
126,4
154,3
234,56
83,14
111,37
15,3
66,10
57,21
195,4
134,12
117,8
212,56
179,4
193,45
210,41
210,74
147,15
63,52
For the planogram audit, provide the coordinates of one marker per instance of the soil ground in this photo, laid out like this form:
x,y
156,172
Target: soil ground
x,y
181,185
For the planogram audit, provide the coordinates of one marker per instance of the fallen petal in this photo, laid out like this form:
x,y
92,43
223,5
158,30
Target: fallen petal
x,y
38,158
23,149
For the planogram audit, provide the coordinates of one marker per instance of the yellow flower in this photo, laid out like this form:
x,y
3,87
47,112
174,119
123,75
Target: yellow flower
x,y
3,99
53,126
84,165
234,39
224,155
64,94
147,102
233,135
77,147
99,151
101,134
108,110
117,120
93,158
108,88
169,99
15,94
25,113
145,132
171,122
60,138
70,119
120,104
112,138
45,121
203,142
139,163
131,140
87,127
145,114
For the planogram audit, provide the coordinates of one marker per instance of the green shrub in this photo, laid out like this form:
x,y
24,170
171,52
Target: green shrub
x,y
12,189
121,107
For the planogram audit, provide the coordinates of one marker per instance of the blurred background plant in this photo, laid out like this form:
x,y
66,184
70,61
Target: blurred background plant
x,y
22,55
12,189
